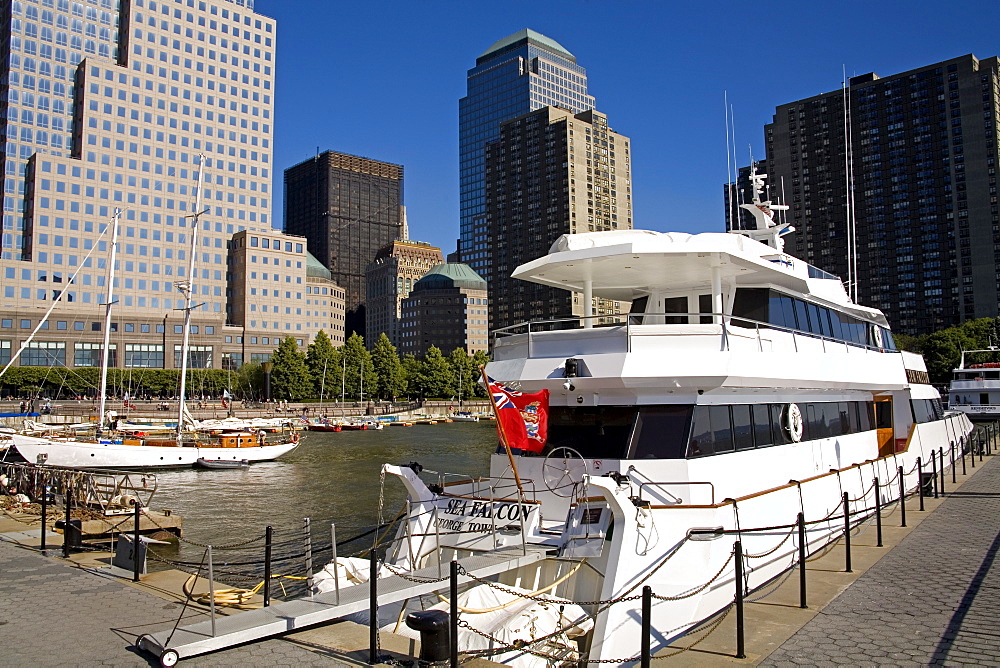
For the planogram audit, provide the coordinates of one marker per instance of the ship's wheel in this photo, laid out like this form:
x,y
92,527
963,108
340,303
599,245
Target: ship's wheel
x,y
563,471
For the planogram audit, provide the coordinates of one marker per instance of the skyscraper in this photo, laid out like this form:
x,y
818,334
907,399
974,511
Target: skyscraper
x,y
348,208
390,278
518,74
550,173
923,147
108,104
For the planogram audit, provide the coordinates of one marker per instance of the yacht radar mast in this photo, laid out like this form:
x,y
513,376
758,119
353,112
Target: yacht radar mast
x,y
767,230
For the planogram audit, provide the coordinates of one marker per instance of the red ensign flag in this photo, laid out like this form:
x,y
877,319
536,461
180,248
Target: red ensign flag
x,y
524,418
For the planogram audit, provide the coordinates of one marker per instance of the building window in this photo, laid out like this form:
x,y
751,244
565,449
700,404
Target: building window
x,y
91,354
4,352
199,357
44,353
142,355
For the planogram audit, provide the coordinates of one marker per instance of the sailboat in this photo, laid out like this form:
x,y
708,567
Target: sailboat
x,y
114,448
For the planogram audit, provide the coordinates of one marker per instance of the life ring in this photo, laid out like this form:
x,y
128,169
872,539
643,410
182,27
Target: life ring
x,y
792,423
295,438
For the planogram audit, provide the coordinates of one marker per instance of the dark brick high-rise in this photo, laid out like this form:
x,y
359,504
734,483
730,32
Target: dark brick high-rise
x,y
348,208
924,161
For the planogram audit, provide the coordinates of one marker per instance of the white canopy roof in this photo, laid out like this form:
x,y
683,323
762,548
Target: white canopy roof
x,y
627,264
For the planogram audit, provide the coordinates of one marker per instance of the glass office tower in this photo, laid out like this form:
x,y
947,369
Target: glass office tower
x,y
519,74
108,104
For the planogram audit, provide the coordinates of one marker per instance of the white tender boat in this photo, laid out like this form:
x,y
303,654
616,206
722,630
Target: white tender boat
x,y
975,386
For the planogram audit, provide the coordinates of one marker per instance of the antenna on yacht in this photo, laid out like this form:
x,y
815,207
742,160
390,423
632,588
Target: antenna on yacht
x,y
767,230
851,214
729,169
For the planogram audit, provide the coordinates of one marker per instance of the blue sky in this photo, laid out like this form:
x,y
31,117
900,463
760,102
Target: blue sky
x,y
382,79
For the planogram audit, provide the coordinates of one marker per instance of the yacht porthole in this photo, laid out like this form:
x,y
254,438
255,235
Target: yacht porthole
x,y
792,422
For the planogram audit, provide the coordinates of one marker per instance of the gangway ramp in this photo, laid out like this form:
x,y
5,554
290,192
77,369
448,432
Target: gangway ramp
x,y
297,614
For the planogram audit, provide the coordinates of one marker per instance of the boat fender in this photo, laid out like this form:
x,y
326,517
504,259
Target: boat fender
x,y
295,438
4,480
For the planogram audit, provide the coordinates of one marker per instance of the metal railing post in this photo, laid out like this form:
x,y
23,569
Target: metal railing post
x,y
953,471
902,496
211,588
268,538
878,513
740,644
135,542
336,566
934,473
453,617
45,508
941,461
920,481
645,633
68,488
847,533
307,529
373,657
801,520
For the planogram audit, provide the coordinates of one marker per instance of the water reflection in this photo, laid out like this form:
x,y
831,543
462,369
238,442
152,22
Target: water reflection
x,y
331,477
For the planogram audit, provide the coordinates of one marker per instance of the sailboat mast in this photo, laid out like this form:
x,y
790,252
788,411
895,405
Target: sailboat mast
x,y
106,352
187,287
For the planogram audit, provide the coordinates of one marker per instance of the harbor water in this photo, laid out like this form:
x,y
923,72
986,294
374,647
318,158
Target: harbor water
x,y
330,477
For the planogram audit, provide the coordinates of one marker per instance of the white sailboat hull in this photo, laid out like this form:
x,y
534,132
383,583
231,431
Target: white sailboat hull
x,y
80,454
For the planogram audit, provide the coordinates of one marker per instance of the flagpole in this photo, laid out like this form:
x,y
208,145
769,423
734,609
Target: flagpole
x,y
503,436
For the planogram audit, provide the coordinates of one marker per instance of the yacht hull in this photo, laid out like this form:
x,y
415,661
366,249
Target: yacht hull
x,y
79,454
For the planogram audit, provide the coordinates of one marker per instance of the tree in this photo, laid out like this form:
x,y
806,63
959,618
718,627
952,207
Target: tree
x,y
355,360
413,371
439,378
323,361
466,374
391,380
290,377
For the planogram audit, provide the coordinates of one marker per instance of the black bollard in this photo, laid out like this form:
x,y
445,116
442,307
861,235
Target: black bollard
x,y
66,525
453,591
902,496
45,508
847,533
647,616
878,514
373,657
972,451
740,646
433,626
135,542
979,446
801,520
963,460
268,538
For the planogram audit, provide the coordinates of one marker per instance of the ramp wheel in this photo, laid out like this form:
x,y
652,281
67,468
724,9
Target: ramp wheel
x,y
169,658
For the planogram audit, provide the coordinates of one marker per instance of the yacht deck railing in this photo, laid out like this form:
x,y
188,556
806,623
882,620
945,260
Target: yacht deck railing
x,y
632,324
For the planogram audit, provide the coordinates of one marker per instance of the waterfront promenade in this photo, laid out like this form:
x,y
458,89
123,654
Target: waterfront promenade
x,y
927,598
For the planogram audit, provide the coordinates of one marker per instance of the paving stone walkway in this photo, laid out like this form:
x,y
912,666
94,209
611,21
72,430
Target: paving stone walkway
x,y
933,600
52,614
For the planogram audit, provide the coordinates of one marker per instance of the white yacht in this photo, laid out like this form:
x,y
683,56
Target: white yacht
x,y
743,388
975,386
